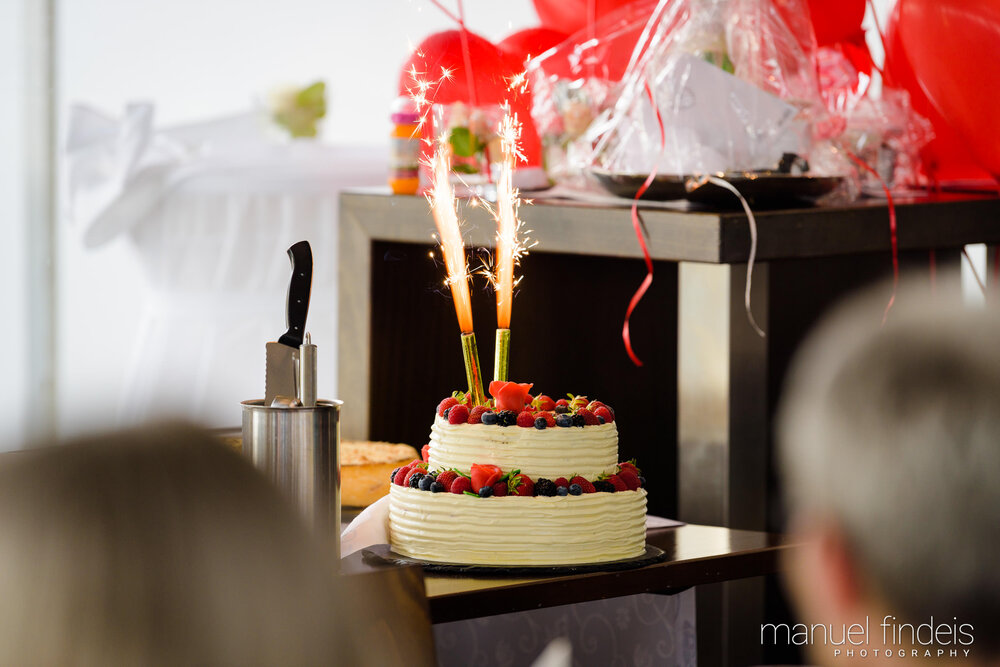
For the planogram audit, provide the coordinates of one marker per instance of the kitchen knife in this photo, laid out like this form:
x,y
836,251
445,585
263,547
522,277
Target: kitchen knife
x,y
281,373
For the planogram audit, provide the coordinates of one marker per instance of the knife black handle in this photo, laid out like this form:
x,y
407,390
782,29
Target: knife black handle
x,y
297,304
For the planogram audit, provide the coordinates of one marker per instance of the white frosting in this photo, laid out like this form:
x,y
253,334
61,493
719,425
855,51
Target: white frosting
x,y
550,453
515,530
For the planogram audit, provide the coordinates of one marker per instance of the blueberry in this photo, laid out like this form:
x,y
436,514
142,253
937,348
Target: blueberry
x,y
642,482
415,480
562,491
600,419
393,475
562,409
564,420
540,423
489,418
445,413
437,487
486,492
578,420
425,482
575,489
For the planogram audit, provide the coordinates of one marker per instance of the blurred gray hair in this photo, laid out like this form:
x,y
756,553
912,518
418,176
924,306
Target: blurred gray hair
x,y
894,433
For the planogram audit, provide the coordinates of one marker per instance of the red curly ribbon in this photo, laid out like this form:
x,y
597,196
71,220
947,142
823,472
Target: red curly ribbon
x,y
641,232
892,231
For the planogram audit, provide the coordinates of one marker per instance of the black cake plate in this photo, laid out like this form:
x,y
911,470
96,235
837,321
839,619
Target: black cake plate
x,y
382,554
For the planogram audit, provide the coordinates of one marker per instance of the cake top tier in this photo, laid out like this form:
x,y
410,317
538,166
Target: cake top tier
x,y
513,405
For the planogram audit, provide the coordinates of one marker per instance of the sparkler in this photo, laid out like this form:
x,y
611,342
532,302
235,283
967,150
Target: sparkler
x,y
508,251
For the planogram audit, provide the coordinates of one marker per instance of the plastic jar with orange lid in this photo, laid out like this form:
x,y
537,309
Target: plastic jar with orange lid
x,y
404,159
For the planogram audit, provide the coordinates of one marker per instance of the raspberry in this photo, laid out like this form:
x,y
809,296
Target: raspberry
x,y
630,479
425,451
617,482
526,419
560,481
459,414
445,404
603,411
415,470
461,485
543,402
476,416
500,489
446,478
520,485
589,418
400,475
584,484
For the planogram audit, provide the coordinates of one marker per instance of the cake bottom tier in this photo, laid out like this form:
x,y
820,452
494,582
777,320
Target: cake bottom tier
x,y
516,530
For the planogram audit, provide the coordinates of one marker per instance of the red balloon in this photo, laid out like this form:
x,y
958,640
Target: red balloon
x,y
531,42
837,21
569,16
492,70
946,157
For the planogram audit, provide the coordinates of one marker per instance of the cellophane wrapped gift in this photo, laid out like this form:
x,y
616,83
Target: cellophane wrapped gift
x,y
710,87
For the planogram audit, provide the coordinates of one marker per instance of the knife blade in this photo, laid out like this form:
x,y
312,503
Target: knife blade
x,y
281,372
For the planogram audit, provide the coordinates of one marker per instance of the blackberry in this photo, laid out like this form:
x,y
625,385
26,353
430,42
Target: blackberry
x,y
393,475
564,420
578,420
437,487
540,423
562,491
604,485
507,418
489,418
642,482
426,481
575,489
545,487
415,480
486,492
562,409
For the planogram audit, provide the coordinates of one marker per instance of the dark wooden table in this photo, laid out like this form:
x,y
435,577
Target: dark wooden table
x,y
697,555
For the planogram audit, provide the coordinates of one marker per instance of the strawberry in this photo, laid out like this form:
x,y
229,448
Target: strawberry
x,y
467,401
413,471
562,402
461,485
484,475
445,404
476,416
543,402
617,482
630,478
500,489
584,484
550,419
520,485
589,418
561,481
525,419
603,412
446,478
459,414
628,465
578,403
425,451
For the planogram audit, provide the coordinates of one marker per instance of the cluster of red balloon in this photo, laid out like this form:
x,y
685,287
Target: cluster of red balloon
x,y
941,51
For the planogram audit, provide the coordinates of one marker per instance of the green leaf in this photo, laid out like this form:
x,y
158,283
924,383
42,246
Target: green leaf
x,y
461,168
463,142
470,493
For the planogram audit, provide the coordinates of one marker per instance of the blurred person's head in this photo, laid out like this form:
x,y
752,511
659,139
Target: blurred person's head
x,y
152,547
889,440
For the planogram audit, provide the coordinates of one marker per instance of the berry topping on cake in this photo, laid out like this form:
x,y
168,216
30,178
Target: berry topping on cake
x,y
413,469
414,479
445,478
437,487
392,477
589,418
629,465
575,489
488,418
540,423
500,489
458,414
460,485
526,420
603,485
578,420
425,451
604,413
425,482
476,415
400,476
543,403
562,491
630,479
617,482
520,485
545,487
486,492
561,481
584,485
507,418
445,404
642,482
577,402
563,420
510,395
485,475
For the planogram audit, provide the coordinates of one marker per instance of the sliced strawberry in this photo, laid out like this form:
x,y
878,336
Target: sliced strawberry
x,y
446,478
484,475
425,451
476,415
617,482
544,403
584,484
525,419
461,485
603,412
630,478
445,404
500,489
520,485
458,414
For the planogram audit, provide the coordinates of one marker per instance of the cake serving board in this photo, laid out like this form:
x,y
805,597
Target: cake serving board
x,y
382,554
